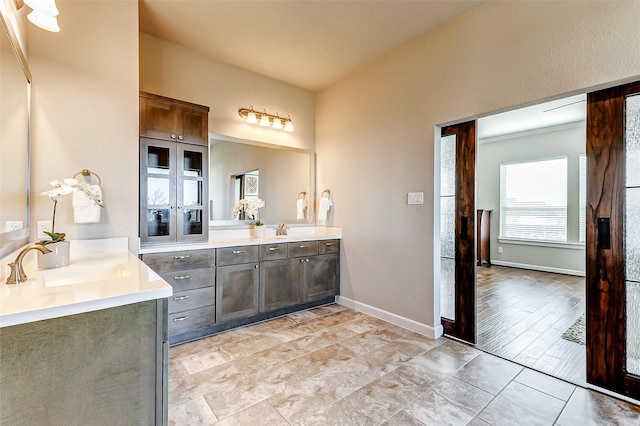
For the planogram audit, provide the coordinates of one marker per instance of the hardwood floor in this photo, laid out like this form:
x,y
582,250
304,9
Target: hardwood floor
x,y
522,314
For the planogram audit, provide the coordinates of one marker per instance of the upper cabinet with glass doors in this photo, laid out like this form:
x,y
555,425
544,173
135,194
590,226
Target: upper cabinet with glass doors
x,y
173,171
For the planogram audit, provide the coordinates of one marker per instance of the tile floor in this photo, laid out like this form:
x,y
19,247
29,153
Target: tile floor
x,y
335,366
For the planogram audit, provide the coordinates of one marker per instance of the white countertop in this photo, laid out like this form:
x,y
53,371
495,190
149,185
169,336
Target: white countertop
x,y
102,274
219,238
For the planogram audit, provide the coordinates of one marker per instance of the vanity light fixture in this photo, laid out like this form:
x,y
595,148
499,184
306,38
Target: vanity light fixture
x,y
44,14
265,119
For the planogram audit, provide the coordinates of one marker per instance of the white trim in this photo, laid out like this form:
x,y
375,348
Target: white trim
x,y
538,268
409,324
539,243
547,129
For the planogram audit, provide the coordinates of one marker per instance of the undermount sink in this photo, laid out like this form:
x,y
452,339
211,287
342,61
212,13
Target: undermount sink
x,y
76,274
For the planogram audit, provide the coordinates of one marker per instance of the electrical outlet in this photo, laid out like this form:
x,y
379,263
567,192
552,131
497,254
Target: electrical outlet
x,y
499,249
12,225
43,225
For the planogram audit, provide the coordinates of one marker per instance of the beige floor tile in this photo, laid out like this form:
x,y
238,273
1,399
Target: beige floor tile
x,y
520,404
195,412
589,408
261,413
488,373
334,366
547,384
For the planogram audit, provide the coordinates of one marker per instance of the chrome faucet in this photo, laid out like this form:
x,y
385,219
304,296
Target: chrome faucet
x,y
282,229
17,274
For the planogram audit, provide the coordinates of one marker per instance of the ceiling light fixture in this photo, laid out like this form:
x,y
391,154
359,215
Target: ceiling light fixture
x,y
44,14
265,119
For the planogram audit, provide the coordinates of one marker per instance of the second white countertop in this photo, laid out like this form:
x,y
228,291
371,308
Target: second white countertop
x,y
219,238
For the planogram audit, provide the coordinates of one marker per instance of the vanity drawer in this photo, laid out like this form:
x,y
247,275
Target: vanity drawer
x,y
236,255
303,248
177,260
273,251
191,320
192,299
190,278
328,246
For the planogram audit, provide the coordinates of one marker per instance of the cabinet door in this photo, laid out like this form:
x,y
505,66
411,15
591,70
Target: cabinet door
x,y
320,277
280,284
192,126
237,291
157,190
158,119
191,192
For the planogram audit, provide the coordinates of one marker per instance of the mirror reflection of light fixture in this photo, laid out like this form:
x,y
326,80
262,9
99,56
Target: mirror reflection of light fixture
x,y
44,14
265,119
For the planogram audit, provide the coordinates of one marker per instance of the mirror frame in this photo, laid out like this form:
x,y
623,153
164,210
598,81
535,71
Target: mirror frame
x,y
13,240
235,223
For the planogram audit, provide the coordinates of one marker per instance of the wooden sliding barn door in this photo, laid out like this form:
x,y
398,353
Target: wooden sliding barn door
x,y
613,239
458,274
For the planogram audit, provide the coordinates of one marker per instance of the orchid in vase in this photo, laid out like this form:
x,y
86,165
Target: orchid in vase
x,y
67,186
249,208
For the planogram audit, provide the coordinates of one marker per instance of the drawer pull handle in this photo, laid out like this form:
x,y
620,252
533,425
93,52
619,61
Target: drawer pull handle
x,y
328,244
180,297
256,266
239,252
274,248
185,256
180,319
302,246
182,277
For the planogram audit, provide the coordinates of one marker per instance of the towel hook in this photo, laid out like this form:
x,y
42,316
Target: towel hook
x,y
328,192
302,195
88,173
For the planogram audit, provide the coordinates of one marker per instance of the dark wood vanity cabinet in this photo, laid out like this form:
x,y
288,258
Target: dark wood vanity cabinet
x,y
237,278
192,275
218,289
173,120
174,172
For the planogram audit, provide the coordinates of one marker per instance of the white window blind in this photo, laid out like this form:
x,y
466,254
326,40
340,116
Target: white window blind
x,y
583,198
533,200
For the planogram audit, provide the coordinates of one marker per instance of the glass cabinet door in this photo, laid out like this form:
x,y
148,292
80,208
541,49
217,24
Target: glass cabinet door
x,y
157,192
192,184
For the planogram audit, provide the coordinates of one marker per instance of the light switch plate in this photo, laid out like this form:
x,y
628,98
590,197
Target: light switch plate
x,y
415,198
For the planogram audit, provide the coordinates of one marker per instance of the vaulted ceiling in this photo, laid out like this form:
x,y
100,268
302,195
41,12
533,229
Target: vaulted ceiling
x,y
308,43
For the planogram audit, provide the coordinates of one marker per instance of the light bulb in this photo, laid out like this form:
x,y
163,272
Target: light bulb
x,y
288,125
264,121
277,122
251,117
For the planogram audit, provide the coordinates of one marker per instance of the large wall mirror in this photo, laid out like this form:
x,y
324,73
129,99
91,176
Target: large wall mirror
x,y
15,80
283,177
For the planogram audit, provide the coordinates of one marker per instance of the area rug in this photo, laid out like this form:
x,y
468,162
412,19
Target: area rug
x,y
577,332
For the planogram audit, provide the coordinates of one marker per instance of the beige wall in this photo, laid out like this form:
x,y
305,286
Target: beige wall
x,y
170,70
85,113
375,130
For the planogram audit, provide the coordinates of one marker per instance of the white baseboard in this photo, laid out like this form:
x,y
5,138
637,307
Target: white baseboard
x,y
538,268
409,324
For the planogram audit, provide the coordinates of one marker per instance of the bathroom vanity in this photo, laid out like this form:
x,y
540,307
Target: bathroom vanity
x,y
86,343
230,282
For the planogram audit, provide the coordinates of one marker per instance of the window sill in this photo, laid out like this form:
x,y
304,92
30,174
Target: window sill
x,y
538,243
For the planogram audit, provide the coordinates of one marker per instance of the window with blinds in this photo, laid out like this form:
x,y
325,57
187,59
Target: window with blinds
x,y
533,200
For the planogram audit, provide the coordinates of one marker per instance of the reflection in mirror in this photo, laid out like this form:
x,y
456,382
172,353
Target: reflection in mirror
x,y
14,142
275,174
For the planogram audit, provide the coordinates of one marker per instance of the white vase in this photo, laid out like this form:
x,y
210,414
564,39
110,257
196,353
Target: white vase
x,y
60,255
260,231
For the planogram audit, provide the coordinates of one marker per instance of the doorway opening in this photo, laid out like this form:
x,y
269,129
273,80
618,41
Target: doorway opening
x,y
530,237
